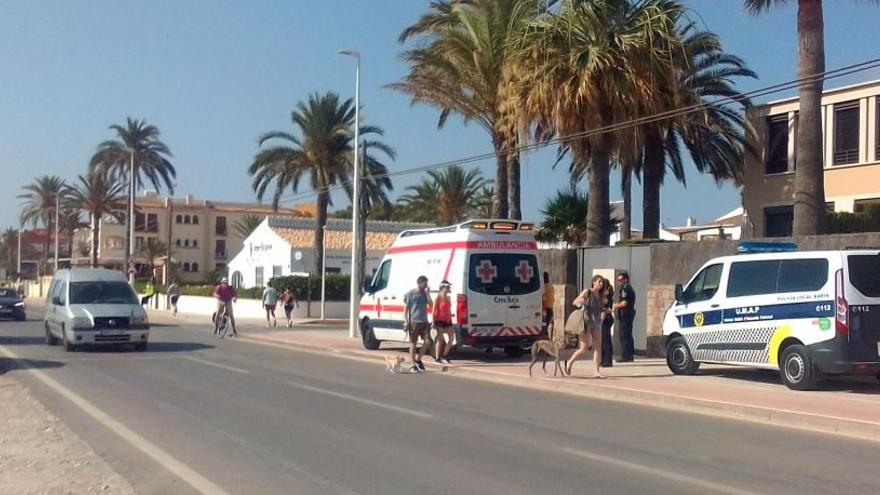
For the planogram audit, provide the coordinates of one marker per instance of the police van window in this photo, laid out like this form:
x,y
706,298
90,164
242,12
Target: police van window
x,y
802,275
752,278
382,276
705,284
864,273
503,274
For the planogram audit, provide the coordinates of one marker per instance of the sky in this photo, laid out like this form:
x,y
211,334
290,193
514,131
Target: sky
x,y
214,74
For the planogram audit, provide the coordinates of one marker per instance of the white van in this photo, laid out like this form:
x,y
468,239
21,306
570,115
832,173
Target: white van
x,y
96,307
808,314
496,283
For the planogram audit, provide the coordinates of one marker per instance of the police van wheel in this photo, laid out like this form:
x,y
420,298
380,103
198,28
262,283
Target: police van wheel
x,y
679,358
796,368
368,337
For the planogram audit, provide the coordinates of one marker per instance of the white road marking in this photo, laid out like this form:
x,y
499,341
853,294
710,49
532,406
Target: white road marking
x,y
164,459
360,400
660,473
216,365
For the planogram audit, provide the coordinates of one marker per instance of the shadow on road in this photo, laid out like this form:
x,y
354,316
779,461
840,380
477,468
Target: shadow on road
x,y
21,340
153,347
854,384
9,364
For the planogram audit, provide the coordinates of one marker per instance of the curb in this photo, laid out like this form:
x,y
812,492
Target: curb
x,y
775,417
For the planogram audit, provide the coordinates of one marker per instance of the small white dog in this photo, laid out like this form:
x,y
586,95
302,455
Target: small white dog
x,y
393,363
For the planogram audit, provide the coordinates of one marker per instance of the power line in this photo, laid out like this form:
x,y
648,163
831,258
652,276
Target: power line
x,y
666,115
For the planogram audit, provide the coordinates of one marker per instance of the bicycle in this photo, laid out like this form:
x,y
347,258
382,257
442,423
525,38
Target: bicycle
x,y
221,323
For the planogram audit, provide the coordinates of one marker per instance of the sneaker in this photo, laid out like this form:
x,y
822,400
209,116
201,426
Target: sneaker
x,y
444,361
421,365
415,369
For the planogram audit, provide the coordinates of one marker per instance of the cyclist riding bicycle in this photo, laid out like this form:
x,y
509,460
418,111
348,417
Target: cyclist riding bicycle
x,y
226,295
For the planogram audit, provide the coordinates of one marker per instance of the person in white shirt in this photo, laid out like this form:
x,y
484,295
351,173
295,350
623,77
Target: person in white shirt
x,y
270,300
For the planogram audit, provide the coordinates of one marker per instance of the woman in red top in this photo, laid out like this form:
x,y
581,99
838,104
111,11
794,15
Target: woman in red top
x,y
443,323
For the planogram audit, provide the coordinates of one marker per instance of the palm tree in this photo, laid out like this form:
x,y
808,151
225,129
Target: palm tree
x,y
9,249
151,250
809,179
715,135
39,202
463,48
585,67
97,195
137,148
323,152
446,196
565,218
247,224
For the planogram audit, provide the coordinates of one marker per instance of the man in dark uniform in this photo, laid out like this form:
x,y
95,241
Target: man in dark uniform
x,y
626,313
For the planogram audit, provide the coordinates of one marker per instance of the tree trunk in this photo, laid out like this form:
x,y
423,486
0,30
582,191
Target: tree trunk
x,y
626,192
513,187
323,201
652,179
809,195
128,239
598,210
499,202
96,236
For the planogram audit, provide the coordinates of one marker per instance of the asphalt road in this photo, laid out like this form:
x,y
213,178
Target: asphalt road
x,y
198,414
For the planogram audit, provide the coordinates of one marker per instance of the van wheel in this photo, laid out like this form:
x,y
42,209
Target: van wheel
x,y
50,339
514,351
140,347
796,368
679,357
368,337
68,347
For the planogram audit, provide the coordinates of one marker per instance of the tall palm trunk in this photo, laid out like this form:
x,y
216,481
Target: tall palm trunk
x,y
598,209
323,201
500,206
96,236
626,192
513,187
809,196
652,178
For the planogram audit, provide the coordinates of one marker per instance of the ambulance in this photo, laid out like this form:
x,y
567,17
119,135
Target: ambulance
x,y
496,281
808,314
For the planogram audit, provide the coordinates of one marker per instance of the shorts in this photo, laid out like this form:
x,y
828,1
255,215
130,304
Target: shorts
x,y
418,330
288,310
174,299
227,305
270,307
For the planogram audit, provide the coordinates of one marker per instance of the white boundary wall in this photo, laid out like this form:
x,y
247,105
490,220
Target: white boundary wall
x,y
253,308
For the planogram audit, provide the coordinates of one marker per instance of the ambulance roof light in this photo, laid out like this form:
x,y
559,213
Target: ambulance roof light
x,y
750,247
504,225
526,226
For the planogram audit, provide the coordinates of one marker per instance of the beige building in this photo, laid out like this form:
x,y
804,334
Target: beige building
x,y
203,235
851,157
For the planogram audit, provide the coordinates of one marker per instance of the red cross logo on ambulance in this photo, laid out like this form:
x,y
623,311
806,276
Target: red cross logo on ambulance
x,y
487,271
524,272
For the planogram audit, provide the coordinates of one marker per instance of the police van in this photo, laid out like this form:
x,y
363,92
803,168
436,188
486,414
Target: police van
x,y
496,283
807,314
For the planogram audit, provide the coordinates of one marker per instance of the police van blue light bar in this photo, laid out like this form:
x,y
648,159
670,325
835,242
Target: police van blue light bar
x,y
765,247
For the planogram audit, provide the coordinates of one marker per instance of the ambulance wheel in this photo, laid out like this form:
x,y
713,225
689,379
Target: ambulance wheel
x,y
679,358
514,351
368,337
796,368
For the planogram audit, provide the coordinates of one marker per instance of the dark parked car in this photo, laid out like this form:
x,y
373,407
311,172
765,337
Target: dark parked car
x,y
11,305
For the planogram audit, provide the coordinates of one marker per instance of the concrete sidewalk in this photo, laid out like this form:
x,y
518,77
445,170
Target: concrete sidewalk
x,y
847,406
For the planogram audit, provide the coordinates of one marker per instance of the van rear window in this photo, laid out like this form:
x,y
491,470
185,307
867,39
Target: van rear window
x,y
101,293
504,274
864,273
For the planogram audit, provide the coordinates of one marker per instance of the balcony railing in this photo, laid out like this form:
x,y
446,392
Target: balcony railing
x,y
220,230
220,255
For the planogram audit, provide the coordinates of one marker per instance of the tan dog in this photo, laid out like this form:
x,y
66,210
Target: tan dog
x,y
546,349
393,363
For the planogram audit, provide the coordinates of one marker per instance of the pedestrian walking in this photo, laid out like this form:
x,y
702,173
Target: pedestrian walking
x,y
288,298
270,301
149,292
173,296
607,323
591,303
415,322
548,299
626,314
443,323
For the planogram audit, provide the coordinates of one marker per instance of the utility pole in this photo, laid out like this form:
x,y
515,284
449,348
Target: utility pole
x,y
131,192
354,294
57,230
20,227
324,273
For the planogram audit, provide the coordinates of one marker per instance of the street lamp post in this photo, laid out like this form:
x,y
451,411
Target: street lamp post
x,y
323,272
354,295
57,230
131,180
20,227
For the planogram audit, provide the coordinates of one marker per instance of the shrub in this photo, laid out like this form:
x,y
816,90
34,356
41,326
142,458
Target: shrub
x,y
849,223
337,286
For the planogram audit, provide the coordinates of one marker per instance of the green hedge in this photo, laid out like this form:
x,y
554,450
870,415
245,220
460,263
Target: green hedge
x,y
338,286
847,223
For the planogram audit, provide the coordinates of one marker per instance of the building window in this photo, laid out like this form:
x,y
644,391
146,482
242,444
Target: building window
x,y
862,205
195,219
195,267
178,219
138,242
186,243
258,276
777,144
276,271
220,249
178,243
195,243
237,280
186,266
152,222
846,133
778,221
220,226
140,222
187,219
877,134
